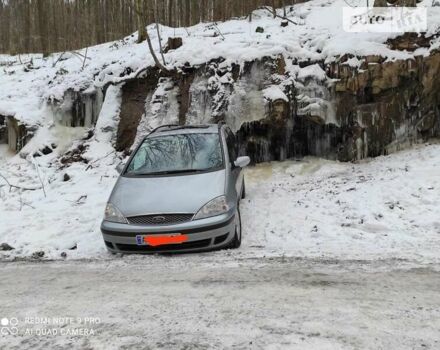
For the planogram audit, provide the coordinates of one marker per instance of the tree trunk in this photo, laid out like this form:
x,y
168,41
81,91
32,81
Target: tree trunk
x,y
27,27
170,14
42,29
380,3
142,33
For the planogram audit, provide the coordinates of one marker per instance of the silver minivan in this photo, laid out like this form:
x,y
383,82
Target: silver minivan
x,y
179,192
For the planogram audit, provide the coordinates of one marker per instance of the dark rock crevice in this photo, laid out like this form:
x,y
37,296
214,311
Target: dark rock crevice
x,y
134,94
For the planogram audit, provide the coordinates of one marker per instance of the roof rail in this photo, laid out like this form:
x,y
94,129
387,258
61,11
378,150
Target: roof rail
x,y
165,126
160,127
177,127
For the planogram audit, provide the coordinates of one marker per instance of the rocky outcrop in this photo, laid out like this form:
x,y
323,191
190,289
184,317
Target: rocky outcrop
x,y
352,108
281,107
383,106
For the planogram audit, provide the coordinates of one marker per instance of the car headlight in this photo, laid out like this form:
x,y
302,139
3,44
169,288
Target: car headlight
x,y
113,214
213,208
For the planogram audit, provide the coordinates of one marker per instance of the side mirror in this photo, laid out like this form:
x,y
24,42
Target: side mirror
x,y
242,162
120,167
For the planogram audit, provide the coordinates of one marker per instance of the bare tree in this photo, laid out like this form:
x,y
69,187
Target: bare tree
x,y
142,33
274,9
66,25
42,28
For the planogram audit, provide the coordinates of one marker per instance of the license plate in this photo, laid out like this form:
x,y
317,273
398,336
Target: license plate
x,y
158,240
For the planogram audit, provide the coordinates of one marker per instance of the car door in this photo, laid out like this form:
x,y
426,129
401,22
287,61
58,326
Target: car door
x,y
236,173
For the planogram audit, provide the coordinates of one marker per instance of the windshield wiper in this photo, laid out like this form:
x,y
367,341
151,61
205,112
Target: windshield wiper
x,y
171,172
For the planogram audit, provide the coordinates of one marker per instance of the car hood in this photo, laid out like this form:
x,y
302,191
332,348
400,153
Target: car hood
x,y
166,194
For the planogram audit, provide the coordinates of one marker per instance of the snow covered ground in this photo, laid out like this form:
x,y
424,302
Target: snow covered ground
x,y
177,303
382,208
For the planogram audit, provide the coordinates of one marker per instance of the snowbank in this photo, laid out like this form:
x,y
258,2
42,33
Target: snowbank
x,y
382,208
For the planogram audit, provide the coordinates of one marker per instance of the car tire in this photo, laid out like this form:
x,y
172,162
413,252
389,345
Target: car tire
x,y
243,190
236,241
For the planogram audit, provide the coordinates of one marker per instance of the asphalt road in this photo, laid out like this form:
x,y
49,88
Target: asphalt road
x,y
192,303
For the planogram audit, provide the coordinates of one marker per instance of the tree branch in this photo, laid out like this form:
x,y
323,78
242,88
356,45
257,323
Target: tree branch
x,y
18,187
160,43
277,15
218,30
85,57
58,59
159,65
39,177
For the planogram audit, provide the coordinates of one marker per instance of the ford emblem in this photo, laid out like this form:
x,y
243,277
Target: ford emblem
x,y
158,219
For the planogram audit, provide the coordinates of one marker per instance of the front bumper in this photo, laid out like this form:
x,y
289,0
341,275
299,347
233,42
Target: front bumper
x,y
205,234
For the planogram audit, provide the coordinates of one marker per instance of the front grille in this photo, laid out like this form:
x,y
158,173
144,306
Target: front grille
x,y
164,219
163,248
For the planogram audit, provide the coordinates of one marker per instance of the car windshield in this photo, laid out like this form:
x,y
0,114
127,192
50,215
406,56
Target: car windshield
x,y
179,153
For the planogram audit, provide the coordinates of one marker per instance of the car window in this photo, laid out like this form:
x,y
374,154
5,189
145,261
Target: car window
x,y
190,152
231,144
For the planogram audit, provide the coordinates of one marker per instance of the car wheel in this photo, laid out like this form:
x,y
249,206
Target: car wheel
x,y
236,241
243,190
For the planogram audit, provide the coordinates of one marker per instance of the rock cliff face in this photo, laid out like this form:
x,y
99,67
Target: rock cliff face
x,y
337,110
348,109
383,106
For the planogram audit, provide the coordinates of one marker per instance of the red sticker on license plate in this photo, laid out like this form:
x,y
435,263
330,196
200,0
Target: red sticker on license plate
x,y
158,240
